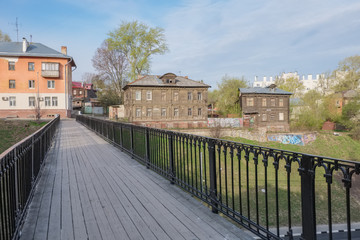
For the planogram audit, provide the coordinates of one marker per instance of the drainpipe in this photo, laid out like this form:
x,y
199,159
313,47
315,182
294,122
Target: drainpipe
x,y
66,95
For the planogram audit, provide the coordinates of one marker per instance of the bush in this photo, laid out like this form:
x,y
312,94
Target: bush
x,y
355,133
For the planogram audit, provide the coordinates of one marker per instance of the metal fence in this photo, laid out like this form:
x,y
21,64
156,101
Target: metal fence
x,y
265,190
19,169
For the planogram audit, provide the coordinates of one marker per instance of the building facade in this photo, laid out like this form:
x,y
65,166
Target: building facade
x,y
309,82
34,77
265,108
81,94
166,101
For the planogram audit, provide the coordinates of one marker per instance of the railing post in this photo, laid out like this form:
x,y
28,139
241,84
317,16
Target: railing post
x,y
171,159
121,136
147,148
308,198
212,166
32,161
132,141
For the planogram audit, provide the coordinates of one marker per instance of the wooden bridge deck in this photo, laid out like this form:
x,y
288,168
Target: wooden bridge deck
x,y
91,190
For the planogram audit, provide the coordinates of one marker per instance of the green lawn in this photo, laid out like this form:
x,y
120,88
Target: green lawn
x,y
13,131
326,144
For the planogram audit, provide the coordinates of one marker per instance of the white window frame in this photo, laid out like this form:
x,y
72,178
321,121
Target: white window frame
x,y
49,66
51,84
281,116
31,101
138,95
264,102
250,101
54,101
199,111
12,84
138,112
11,66
32,68
12,101
264,117
163,112
281,102
176,96
176,112
189,111
199,96
47,101
189,96
148,95
149,112
31,84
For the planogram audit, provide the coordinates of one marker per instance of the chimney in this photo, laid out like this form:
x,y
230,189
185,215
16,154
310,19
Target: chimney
x,y
64,50
25,45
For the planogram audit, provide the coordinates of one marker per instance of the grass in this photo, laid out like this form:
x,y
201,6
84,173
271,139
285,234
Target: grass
x,y
13,131
326,144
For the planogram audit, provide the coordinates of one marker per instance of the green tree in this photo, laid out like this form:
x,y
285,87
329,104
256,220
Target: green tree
x,y
138,42
228,95
347,75
291,84
4,37
106,94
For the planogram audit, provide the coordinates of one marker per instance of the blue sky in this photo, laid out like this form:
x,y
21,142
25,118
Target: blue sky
x,y
207,38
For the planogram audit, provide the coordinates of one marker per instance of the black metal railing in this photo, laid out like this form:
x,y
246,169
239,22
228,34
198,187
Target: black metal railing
x,y
19,169
268,191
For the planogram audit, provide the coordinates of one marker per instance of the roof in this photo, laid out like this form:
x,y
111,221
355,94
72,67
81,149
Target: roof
x,y
76,84
14,49
260,90
156,81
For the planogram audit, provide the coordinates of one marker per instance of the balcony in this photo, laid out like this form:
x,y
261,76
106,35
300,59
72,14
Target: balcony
x,y
50,73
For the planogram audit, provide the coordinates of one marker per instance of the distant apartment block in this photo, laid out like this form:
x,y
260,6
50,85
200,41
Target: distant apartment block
x,y
32,74
166,101
310,82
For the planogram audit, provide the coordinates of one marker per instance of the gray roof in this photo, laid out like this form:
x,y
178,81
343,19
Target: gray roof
x,y
14,49
260,90
155,81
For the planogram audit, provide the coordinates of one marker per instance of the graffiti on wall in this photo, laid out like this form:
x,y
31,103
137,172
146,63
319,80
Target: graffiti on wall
x,y
225,122
295,139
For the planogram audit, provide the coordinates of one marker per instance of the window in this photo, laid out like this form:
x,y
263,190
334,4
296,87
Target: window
x,y
138,112
264,117
80,92
199,111
31,101
47,101
281,102
250,102
31,66
199,96
50,66
149,112
163,96
12,101
31,83
281,116
138,95
74,92
163,112
176,112
11,83
149,95
189,111
12,66
54,101
189,95
264,102
51,84
176,96
272,101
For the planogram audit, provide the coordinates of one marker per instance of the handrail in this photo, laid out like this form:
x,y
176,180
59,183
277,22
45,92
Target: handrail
x,y
264,190
20,167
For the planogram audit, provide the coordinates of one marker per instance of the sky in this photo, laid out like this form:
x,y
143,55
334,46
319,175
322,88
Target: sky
x,y
207,39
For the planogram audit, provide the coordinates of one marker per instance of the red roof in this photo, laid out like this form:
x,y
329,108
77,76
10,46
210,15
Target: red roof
x,y
76,85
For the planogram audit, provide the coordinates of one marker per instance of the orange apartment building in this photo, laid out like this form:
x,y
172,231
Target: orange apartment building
x,y
34,76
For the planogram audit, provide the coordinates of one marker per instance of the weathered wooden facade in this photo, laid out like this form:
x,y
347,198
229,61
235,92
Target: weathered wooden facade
x,y
166,101
265,108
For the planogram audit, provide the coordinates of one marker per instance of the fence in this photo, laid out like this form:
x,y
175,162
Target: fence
x,y
19,169
265,190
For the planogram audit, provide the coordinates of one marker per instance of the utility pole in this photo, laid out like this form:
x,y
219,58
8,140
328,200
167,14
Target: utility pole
x,y
17,29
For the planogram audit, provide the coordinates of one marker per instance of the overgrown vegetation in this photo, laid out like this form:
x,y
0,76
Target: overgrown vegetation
x,y
13,131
